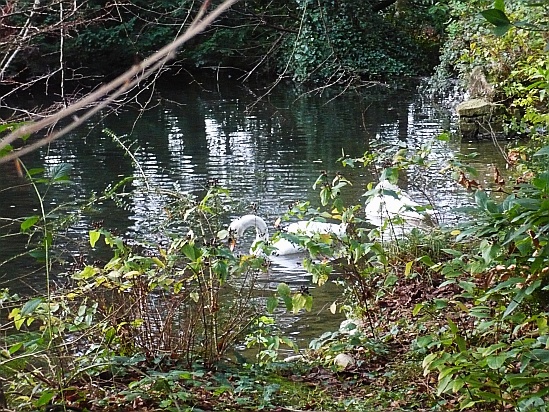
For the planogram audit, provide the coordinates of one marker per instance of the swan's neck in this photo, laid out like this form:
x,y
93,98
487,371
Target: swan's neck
x,y
252,221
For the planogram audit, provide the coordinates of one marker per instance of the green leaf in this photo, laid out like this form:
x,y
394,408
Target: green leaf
x,y
541,355
5,150
321,179
466,403
499,19
445,384
517,300
424,341
94,237
298,302
390,174
457,385
308,303
272,303
60,172
501,31
489,251
191,252
497,361
35,171
426,259
428,360
499,5
391,279
496,17
417,309
453,327
14,348
542,181
443,137
29,222
288,302
45,398
325,194
518,381
283,289
544,151
467,286
30,306
460,341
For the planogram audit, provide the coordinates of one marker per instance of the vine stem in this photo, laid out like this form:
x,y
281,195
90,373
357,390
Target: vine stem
x,y
46,249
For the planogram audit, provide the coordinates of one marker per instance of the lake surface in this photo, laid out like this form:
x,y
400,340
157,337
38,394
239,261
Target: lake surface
x,y
267,151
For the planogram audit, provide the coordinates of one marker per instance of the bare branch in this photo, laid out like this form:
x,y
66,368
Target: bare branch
x,y
108,93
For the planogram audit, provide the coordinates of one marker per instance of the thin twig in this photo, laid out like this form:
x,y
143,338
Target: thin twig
x,y
109,92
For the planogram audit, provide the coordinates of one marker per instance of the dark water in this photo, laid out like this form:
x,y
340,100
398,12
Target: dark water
x,y
268,152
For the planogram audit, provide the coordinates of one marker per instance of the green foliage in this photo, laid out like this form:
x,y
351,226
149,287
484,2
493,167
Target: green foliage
x,y
336,41
492,350
147,310
266,337
307,40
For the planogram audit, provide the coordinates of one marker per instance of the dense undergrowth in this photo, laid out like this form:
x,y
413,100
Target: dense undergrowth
x,y
327,41
453,318
449,319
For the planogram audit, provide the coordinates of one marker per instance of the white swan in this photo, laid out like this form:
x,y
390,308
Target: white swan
x,y
283,246
389,203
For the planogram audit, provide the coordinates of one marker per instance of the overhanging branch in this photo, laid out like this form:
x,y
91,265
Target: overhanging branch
x,y
108,93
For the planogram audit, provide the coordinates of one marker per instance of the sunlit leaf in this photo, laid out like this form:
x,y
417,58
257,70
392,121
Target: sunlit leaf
x,y
35,171
499,5
94,237
29,222
407,270
45,397
417,309
15,348
6,149
443,137
298,302
325,195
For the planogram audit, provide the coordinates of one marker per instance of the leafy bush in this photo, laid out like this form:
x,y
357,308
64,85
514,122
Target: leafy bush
x,y
152,310
492,351
336,41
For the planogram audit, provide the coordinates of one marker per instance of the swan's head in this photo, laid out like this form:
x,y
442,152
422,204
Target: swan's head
x,y
240,225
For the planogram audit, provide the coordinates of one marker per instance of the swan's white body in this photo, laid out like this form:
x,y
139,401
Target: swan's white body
x,y
283,246
389,203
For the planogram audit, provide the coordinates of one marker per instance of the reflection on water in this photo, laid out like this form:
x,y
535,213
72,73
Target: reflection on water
x,y
268,153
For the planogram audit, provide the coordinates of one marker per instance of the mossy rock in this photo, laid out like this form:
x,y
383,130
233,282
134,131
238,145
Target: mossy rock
x,y
476,108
